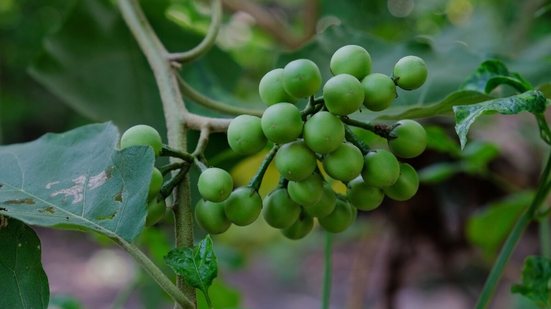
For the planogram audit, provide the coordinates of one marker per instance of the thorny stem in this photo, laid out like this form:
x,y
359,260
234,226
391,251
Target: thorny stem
x,y
351,137
207,42
197,97
522,223
257,179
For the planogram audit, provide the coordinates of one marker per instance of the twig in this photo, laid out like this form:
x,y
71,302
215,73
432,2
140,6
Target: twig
x,y
379,129
202,142
352,138
257,179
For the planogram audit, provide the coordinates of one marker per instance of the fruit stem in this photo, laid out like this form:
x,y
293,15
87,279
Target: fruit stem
x,y
171,167
314,105
256,181
382,130
200,164
545,132
514,236
202,142
168,151
351,137
167,188
207,42
327,270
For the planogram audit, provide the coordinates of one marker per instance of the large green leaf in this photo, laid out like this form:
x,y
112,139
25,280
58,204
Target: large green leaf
x,y
488,228
196,265
536,277
77,178
492,73
531,101
23,282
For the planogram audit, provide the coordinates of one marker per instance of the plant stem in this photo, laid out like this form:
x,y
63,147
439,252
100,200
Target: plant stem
x,y
514,236
174,181
171,167
327,270
351,137
545,240
379,129
155,273
207,42
202,142
222,107
545,132
167,151
257,179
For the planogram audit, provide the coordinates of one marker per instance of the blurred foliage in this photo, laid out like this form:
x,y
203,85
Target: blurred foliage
x,y
536,281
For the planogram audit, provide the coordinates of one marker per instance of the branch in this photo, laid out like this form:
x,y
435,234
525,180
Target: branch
x,y
199,98
207,42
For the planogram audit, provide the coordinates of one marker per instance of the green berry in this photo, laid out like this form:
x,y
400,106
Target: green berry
x,y
301,78
280,211
406,186
345,163
410,72
295,161
306,192
410,139
215,184
325,205
243,206
155,184
156,209
282,123
142,135
211,216
381,168
379,90
340,218
343,94
271,88
323,132
364,197
300,228
245,134
351,59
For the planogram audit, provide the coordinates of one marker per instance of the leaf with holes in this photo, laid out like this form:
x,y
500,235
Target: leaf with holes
x,y
196,265
536,280
23,282
531,101
77,179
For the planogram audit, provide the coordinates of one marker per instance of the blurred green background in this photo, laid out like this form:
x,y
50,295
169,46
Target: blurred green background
x,y
65,63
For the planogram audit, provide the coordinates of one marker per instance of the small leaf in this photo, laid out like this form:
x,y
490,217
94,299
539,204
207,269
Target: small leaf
x,y
23,282
536,279
64,302
531,101
488,228
196,265
77,179
439,140
477,155
438,172
492,73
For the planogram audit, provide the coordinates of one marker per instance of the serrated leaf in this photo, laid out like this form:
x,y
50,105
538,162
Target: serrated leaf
x,y
196,265
531,101
77,179
536,281
488,227
492,73
23,281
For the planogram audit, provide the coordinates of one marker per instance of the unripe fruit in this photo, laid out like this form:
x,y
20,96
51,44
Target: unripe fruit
x,y
281,123
340,218
301,78
323,132
381,168
345,163
379,91
279,210
300,228
410,139
295,161
155,184
351,59
211,216
156,209
142,135
306,192
325,205
343,94
364,197
243,206
410,72
271,88
215,184
406,186
245,134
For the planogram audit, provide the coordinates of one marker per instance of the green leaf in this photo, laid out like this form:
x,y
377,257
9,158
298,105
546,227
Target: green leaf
x,y
536,281
77,179
477,155
196,265
492,73
488,227
438,172
531,101
23,282
439,140
223,296
64,302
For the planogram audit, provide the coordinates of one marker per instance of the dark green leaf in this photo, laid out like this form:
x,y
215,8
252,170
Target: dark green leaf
x,y
196,265
222,296
477,155
531,101
23,282
488,228
64,302
536,281
77,179
492,73
438,172
439,140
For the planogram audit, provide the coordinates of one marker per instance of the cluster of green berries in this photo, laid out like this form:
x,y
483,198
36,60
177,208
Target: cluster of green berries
x,y
318,136
145,135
